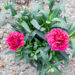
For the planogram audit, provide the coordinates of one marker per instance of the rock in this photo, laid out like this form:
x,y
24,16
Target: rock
x,y
2,64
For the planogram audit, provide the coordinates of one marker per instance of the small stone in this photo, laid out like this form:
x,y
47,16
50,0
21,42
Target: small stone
x,y
1,34
2,64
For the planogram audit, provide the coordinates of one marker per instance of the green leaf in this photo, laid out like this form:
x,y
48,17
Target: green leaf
x,y
37,51
51,4
57,12
18,16
51,16
16,29
26,27
35,45
73,46
42,29
56,19
3,23
59,26
27,58
19,57
27,51
72,35
35,57
9,52
5,14
47,48
36,8
48,22
6,6
17,26
35,24
50,57
44,56
13,3
65,62
66,56
43,71
56,71
57,64
72,29
19,51
62,24
44,14
13,11
26,10
61,5
40,34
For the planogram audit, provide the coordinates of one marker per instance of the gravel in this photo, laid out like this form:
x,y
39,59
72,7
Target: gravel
x,y
7,64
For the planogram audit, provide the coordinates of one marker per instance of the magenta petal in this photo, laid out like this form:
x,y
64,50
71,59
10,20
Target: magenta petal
x,y
58,39
15,40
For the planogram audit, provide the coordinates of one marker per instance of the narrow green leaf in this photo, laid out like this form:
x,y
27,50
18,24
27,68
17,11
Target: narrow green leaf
x,y
18,16
44,56
73,46
35,24
56,71
48,22
19,51
50,57
44,13
38,51
72,29
13,3
5,14
61,5
19,57
35,57
65,62
72,36
57,19
27,58
9,52
43,71
57,64
40,34
3,23
26,27
47,48
51,4
57,12
36,8
42,29
13,11
59,26
51,16
66,56
27,51
6,6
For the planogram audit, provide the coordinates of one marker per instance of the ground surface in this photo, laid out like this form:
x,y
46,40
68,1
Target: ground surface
x,y
7,64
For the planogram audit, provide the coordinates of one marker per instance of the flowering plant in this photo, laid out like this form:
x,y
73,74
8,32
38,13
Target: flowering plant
x,y
41,37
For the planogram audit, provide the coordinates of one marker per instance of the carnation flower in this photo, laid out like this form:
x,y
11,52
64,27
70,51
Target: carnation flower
x,y
15,40
58,39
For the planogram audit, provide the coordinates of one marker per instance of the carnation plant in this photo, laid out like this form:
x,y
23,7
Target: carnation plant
x,y
42,38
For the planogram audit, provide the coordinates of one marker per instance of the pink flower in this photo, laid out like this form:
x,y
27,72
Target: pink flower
x,y
58,39
15,40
